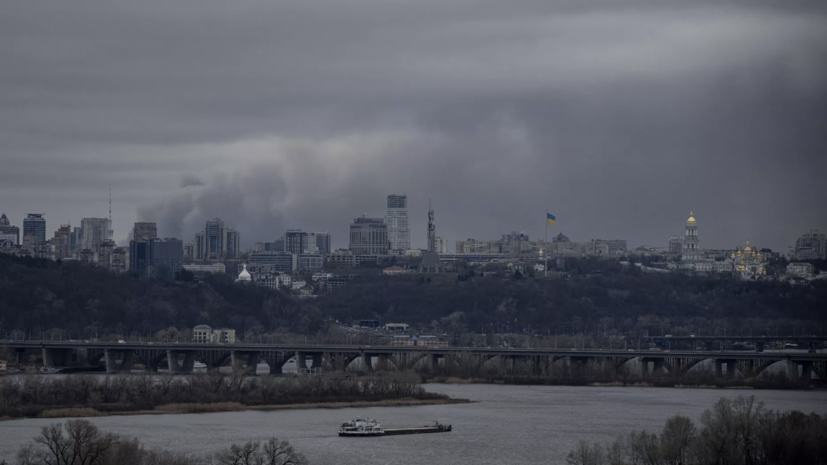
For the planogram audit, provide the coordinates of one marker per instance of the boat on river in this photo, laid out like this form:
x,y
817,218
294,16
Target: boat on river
x,y
361,428
369,427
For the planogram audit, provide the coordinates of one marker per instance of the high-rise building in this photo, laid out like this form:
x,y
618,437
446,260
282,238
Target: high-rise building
x,y
811,246
61,242
144,231
691,249
34,226
296,241
399,234
139,257
74,241
441,245
320,242
166,258
368,236
217,242
9,235
94,231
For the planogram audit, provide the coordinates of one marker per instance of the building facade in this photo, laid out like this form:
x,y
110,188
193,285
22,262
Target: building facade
x,y
676,245
9,235
800,270
61,242
441,245
321,242
296,241
217,242
811,246
94,231
368,236
280,261
214,268
203,334
144,231
691,241
34,226
166,258
399,233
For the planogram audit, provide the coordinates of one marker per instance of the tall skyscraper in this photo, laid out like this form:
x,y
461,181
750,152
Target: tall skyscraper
x,y
296,241
34,226
320,242
217,242
61,242
368,236
399,234
143,231
9,235
94,232
691,242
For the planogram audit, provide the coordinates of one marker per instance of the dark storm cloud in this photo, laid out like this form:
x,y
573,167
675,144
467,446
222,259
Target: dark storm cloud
x,y
618,116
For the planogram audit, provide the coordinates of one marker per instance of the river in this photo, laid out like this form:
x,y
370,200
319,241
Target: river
x,y
508,425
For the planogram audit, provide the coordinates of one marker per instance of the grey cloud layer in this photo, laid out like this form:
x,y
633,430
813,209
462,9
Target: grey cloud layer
x,y
620,117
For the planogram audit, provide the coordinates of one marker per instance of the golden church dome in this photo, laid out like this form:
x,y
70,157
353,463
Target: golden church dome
x,y
691,217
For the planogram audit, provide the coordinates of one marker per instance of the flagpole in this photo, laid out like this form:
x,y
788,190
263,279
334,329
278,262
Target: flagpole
x,y
545,252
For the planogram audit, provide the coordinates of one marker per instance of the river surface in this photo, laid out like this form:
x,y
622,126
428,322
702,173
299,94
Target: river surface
x,y
508,425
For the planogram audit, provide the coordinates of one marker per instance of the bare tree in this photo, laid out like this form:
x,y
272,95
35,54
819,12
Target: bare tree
x,y
281,453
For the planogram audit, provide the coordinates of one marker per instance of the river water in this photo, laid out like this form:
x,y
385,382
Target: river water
x,y
508,425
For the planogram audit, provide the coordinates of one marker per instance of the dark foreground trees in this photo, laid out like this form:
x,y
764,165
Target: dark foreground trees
x,y
79,442
732,432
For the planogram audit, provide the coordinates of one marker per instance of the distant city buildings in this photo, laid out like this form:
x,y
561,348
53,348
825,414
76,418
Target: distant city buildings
x,y
368,236
320,242
800,270
199,270
441,245
143,231
217,242
296,241
431,262
61,242
676,245
399,234
166,258
9,235
810,246
94,231
34,226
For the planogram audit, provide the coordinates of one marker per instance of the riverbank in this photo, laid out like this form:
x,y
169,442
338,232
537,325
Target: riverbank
x,y
184,408
748,383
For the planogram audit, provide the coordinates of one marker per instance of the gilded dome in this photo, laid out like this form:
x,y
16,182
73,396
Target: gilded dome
x,y
691,217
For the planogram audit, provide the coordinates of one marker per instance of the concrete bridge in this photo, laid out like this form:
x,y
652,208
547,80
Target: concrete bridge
x,y
180,357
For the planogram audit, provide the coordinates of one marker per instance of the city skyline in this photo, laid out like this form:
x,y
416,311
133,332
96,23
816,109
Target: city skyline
x,y
619,119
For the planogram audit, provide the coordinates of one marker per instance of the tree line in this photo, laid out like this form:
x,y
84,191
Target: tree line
x,y
596,297
733,432
30,396
79,442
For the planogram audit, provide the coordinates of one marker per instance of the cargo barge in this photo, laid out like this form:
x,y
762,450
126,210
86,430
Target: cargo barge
x,y
369,427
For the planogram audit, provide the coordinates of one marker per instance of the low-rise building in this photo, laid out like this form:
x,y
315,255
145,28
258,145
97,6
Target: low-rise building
x,y
801,270
396,327
431,341
402,340
203,334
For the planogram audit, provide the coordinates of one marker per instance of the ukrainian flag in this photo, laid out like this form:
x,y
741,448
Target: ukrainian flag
x,y
550,219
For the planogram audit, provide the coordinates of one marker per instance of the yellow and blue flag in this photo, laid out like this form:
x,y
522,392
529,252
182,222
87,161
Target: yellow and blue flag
x,y
550,219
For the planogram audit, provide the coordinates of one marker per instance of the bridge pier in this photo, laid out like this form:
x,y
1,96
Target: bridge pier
x,y
730,368
57,358
239,357
434,363
383,362
367,363
111,358
806,370
185,366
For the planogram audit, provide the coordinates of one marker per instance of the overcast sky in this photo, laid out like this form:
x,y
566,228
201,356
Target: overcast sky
x,y
619,117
